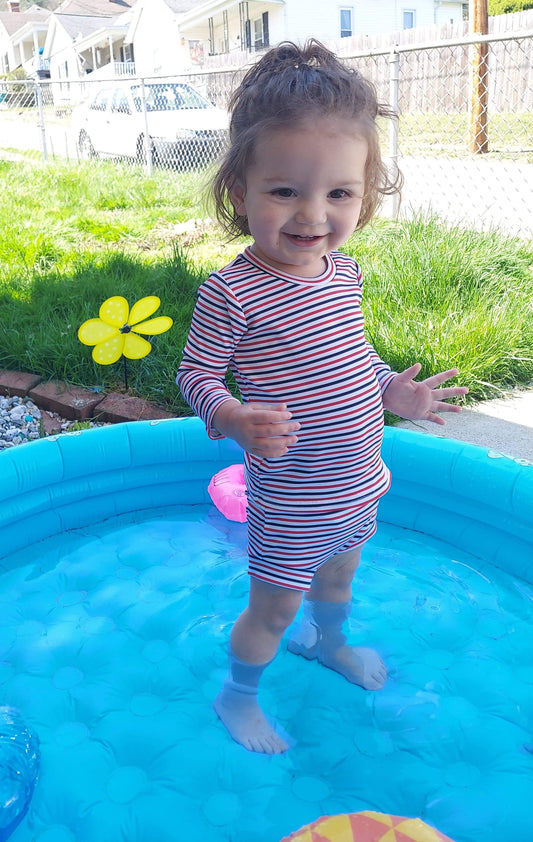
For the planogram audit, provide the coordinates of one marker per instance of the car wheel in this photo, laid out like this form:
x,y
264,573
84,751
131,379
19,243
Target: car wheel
x,y
85,147
141,150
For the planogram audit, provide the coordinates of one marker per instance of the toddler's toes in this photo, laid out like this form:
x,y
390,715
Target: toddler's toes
x,y
357,664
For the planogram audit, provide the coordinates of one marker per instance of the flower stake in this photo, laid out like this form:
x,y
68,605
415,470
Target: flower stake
x,y
115,333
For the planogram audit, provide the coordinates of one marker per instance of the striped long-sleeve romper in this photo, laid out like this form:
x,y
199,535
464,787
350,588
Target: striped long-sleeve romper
x,y
298,341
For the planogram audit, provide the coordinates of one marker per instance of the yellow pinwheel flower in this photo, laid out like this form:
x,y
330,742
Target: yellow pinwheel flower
x,y
115,333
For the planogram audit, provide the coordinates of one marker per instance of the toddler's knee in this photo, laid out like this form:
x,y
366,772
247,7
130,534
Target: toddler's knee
x,y
274,607
282,615
280,621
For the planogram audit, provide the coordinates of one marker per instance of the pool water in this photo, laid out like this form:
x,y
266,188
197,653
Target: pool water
x,y
113,645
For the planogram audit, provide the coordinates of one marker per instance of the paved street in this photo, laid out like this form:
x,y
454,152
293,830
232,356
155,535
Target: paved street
x,y
477,192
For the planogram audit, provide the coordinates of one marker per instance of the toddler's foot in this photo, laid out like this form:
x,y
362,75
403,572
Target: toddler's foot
x,y
356,663
246,722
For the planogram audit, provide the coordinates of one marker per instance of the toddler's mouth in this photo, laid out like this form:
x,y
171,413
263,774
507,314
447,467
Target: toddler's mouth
x,y
304,238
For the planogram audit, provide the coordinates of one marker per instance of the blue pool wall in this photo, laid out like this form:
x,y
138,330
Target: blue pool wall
x,y
465,495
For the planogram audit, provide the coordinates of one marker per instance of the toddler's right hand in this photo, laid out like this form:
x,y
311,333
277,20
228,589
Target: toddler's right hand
x,y
263,429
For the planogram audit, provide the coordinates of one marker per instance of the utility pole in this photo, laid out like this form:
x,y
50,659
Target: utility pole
x,y
479,97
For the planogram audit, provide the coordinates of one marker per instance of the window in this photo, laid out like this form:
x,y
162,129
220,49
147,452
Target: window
x,y
100,101
258,33
408,19
127,52
169,97
266,32
120,102
346,23
62,72
261,37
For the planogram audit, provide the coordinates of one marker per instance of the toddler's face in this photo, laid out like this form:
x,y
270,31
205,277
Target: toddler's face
x,y
303,193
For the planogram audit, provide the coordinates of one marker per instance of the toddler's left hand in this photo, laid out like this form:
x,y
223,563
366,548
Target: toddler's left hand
x,y
419,401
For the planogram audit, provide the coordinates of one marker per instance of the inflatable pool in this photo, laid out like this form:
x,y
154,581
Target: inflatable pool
x,y
119,583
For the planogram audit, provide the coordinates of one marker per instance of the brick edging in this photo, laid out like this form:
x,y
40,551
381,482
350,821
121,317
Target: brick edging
x,y
76,404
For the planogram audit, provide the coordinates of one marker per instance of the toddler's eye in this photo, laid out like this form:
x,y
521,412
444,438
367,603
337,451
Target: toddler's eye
x,y
283,192
339,194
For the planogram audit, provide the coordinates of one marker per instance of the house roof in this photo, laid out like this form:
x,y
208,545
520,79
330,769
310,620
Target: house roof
x,y
76,25
101,8
181,6
13,21
84,30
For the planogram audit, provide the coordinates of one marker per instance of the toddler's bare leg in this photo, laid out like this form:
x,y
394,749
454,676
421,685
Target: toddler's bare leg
x,y
326,607
255,640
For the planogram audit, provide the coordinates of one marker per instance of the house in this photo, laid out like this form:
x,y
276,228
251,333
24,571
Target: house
x,y
79,43
155,36
109,38
221,27
22,38
170,36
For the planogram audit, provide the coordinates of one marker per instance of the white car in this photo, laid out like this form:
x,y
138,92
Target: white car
x,y
170,121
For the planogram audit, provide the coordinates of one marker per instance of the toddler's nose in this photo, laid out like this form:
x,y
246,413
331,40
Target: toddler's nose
x,y
311,212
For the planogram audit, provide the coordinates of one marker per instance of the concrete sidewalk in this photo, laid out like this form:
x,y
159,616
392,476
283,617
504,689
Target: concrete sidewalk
x,y
504,425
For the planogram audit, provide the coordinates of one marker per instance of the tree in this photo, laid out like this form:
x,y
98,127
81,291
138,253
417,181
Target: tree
x,y
503,7
27,4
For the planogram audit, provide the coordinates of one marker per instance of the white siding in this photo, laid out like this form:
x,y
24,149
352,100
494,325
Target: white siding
x,y
387,16
6,49
157,41
447,12
64,62
278,25
318,19
301,19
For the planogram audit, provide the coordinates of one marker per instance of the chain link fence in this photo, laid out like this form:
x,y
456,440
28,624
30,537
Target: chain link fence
x,y
463,139
161,122
465,133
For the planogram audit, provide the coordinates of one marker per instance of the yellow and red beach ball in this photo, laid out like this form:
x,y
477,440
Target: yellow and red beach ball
x,y
366,827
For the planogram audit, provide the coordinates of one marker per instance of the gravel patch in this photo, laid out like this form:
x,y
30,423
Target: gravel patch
x,y
22,421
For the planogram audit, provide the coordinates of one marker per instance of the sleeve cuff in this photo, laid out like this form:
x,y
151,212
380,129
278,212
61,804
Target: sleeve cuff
x,y
212,431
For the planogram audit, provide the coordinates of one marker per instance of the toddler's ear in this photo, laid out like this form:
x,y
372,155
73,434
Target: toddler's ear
x,y
237,193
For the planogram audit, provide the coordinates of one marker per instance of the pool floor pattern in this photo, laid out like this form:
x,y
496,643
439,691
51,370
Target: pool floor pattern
x,y
113,646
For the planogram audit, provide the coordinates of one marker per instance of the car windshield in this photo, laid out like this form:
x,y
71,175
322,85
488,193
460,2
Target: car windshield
x,y
168,97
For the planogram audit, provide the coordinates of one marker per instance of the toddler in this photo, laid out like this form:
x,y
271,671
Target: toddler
x,y
303,171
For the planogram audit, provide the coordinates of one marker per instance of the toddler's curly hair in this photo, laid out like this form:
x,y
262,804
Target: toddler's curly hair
x,y
288,85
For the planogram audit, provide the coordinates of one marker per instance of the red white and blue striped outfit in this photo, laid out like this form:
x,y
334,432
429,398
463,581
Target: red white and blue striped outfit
x,y
298,341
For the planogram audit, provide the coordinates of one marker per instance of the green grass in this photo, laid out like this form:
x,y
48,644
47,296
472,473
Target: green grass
x,y
74,236
443,135
449,297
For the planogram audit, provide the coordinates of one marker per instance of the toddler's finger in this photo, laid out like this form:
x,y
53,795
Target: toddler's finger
x,y
269,407
450,392
441,377
409,373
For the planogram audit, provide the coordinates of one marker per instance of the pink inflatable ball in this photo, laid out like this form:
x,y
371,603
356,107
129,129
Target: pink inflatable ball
x,y
227,490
